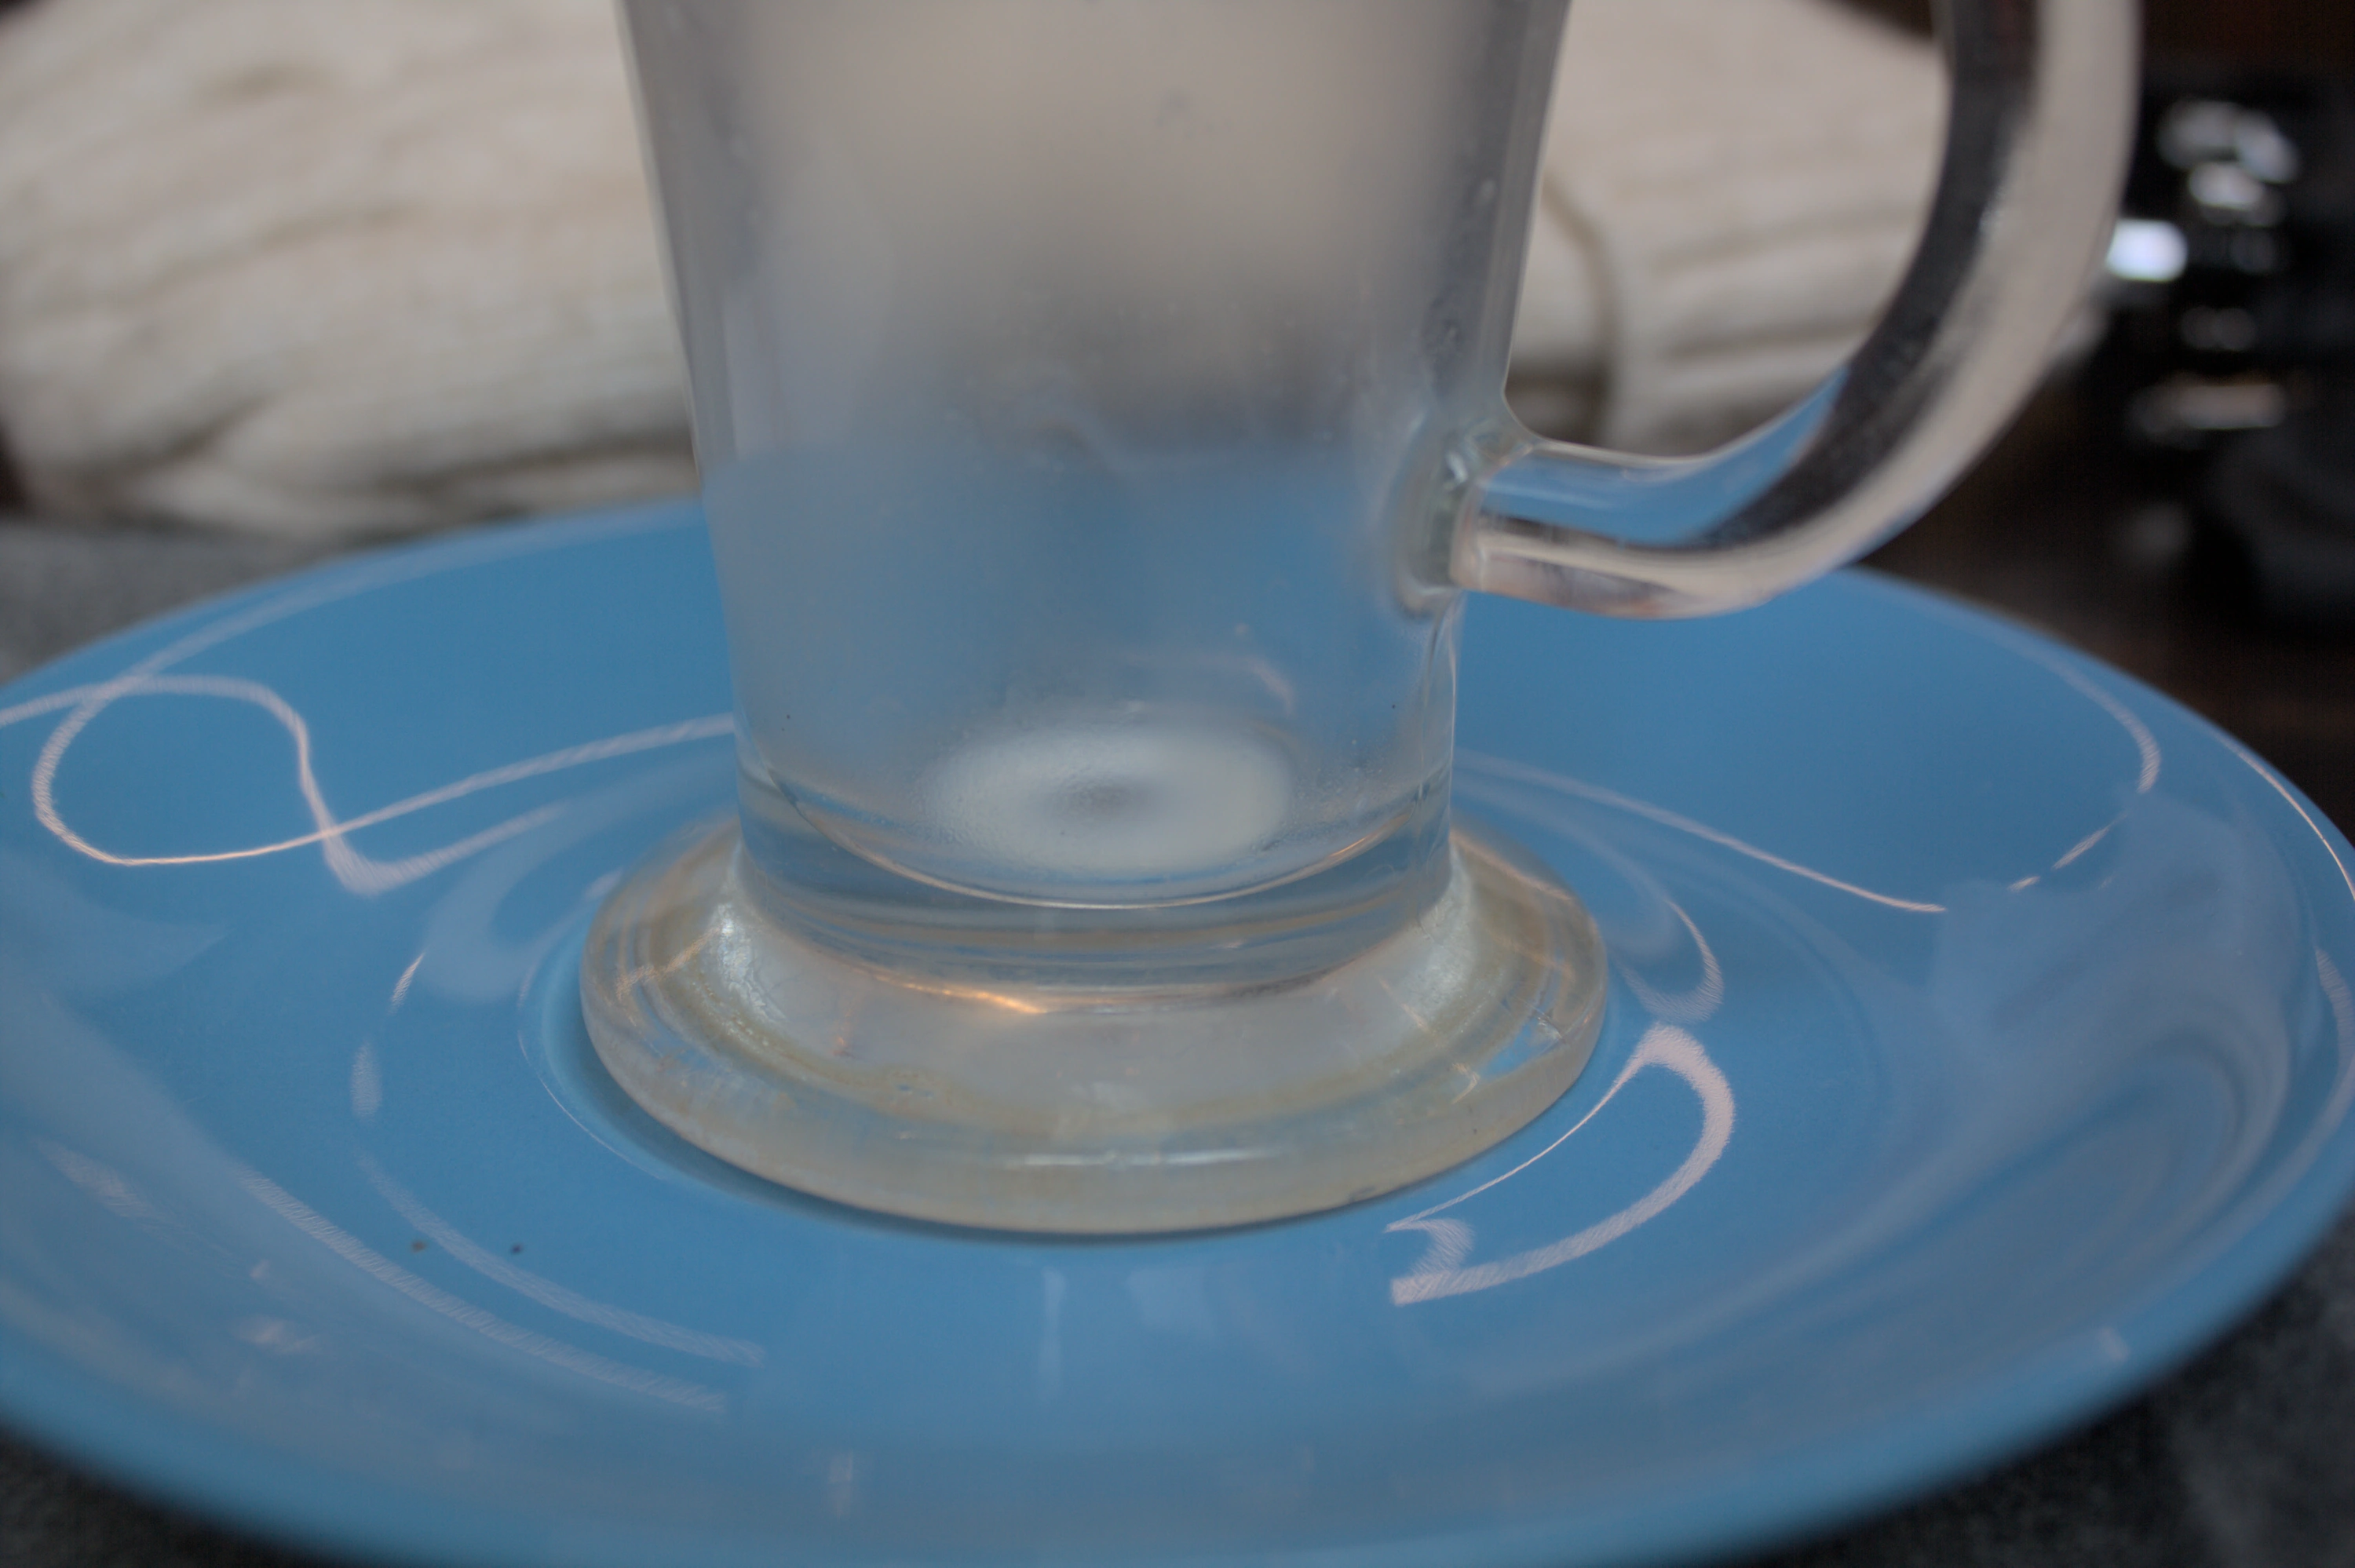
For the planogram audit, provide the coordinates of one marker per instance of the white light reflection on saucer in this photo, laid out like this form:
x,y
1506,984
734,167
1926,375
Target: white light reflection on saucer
x,y
2147,750
1445,1267
1441,1271
1521,773
358,872
1666,1044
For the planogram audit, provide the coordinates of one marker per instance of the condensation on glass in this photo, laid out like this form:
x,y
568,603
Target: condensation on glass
x,y
1098,405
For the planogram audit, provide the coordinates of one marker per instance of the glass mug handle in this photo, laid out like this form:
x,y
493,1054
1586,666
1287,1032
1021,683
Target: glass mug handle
x,y
2037,139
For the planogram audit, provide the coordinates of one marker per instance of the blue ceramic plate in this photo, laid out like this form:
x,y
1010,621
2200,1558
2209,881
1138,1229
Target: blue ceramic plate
x,y
1980,1042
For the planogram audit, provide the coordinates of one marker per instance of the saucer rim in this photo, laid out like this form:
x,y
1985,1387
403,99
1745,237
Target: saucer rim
x,y
190,1465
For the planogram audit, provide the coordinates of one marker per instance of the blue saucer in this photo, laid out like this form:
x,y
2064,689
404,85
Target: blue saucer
x,y
1980,1043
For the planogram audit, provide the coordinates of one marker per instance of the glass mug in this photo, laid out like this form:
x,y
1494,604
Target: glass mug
x,y
1099,404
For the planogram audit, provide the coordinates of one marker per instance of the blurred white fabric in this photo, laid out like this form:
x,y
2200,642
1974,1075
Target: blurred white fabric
x,y
331,270
1731,188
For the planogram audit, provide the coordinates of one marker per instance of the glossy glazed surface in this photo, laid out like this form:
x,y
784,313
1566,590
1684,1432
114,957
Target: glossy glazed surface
x,y
1981,1042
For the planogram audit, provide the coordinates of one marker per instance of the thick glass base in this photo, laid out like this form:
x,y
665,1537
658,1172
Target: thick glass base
x,y
1089,1109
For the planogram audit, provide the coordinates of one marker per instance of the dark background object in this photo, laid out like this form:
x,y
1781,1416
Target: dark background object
x,y
2181,562
2229,369
2185,506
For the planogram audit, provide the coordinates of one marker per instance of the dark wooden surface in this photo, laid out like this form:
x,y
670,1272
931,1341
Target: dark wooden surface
x,y
2306,34
2063,529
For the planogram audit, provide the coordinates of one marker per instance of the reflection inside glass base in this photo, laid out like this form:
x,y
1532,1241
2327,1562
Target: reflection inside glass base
x,y
1088,1108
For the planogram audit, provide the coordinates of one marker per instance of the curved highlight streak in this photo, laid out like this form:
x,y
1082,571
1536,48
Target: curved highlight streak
x,y
2258,765
357,872
2084,845
2146,743
2335,990
1522,773
1441,1271
34,707
2029,646
89,700
1696,1006
367,877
